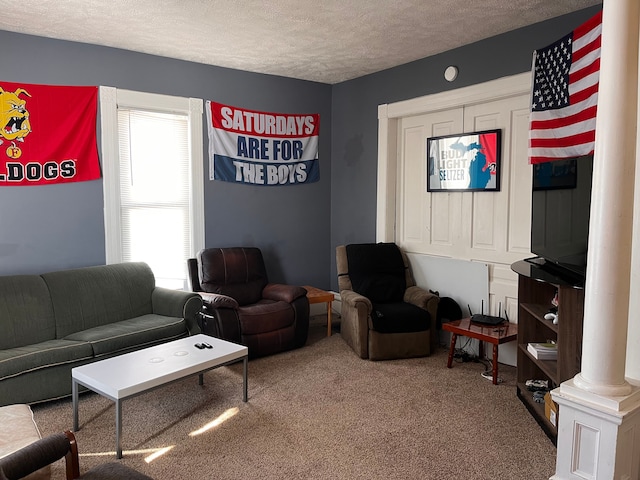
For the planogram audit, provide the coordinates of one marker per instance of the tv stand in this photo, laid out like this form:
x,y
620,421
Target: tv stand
x,y
536,261
555,272
537,286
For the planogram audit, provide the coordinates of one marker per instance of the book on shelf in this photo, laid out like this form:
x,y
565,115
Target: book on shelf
x,y
543,351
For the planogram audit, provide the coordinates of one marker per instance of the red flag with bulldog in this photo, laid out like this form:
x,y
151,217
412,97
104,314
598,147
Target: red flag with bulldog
x,y
48,134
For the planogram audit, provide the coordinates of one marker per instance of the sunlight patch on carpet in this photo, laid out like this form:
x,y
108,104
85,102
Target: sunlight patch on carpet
x,y
158,453
214,423
154,453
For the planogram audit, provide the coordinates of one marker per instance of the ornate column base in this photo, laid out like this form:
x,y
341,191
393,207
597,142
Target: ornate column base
x,y
598,436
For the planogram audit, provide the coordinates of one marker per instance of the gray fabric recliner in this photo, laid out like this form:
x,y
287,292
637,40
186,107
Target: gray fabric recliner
x,y
384,314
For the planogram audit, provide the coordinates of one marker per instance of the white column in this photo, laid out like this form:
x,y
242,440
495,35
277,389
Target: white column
x,y
633,333
599,416
611,222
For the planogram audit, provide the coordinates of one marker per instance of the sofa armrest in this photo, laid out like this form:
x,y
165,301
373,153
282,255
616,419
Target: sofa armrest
x,y
178,303
36,455
283,293
356,321
217,300
351,299
421,298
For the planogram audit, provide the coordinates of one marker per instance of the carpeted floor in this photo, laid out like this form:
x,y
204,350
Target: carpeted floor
x,y
319,412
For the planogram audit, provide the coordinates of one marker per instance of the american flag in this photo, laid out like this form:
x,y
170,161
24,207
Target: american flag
x,y
565,95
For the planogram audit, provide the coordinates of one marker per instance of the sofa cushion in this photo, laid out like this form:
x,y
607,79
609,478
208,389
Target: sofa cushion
x,y
26,313
16,361
399,317
135,332
265,316
89,297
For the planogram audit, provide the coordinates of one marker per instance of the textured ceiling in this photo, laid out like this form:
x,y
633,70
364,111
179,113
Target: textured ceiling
x,y
326,41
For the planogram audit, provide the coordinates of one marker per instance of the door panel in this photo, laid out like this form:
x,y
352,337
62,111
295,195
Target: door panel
x,y
425,222
519,235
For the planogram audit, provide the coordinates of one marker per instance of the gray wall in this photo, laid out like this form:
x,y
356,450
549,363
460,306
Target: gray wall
x,y
62,226
355,114
297,227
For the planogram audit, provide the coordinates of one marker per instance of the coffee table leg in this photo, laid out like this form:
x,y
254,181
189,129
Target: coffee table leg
x,y
201,379
452,349
494,368
118,428
328,319
245,371
74,397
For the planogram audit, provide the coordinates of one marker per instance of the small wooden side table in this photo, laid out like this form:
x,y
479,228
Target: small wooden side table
x,y
494,334
315,295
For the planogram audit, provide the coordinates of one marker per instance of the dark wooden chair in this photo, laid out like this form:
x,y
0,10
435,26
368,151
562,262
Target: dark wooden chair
x,y
52,448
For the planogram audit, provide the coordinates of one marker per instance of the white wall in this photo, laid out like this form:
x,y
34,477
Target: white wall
x,y
465,281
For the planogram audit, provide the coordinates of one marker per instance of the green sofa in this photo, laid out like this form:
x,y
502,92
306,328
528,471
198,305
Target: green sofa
x,y
53,322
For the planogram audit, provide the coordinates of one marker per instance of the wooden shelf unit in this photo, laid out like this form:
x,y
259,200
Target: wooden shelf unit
x,y
536,289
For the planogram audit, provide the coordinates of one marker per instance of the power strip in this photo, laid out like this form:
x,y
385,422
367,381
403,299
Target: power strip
x,y
489,376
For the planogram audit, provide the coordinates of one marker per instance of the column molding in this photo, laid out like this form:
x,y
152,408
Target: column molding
x,y
599,413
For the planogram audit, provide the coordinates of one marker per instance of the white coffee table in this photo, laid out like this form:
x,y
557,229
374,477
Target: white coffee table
x,y
134,373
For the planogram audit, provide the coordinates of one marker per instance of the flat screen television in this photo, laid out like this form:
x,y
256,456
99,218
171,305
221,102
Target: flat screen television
x,y
560,205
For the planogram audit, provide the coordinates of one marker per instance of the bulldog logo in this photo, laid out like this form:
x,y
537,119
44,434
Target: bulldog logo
x,y
14,119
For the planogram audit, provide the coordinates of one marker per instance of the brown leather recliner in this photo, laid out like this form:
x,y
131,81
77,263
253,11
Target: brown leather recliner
x,y
240,305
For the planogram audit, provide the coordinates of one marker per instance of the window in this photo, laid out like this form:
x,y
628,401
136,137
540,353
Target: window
x,y
153,174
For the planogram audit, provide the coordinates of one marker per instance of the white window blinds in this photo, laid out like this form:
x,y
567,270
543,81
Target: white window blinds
x,y
155,192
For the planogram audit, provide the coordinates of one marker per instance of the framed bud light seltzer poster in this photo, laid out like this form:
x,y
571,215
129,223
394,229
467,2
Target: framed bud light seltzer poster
x,y
466,162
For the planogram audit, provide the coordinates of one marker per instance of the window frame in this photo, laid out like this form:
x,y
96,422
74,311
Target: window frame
x,y
111,99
